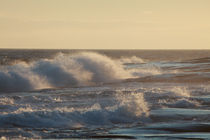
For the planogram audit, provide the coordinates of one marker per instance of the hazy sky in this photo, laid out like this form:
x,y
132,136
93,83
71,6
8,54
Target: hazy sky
x,y
105,24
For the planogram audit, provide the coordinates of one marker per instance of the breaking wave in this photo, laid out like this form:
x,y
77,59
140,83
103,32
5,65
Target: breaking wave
x,y
86,69
82,69
128,108
131,60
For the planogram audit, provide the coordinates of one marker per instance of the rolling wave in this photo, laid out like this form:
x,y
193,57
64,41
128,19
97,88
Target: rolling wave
x,y
63,71
91,69
127,108
81,69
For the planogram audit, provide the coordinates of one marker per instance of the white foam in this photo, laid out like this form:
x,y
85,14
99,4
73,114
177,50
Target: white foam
x,y
128,108
131,60
180,91
62,71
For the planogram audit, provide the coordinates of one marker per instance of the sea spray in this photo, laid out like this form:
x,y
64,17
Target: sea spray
x,y
62,71
75,70
127,109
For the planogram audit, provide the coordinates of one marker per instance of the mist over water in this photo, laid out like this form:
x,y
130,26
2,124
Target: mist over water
x,y
104,94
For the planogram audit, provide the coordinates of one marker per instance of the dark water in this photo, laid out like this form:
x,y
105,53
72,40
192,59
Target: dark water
x,y
106,94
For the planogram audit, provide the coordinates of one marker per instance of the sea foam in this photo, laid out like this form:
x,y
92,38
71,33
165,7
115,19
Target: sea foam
x,y
127,108
82,69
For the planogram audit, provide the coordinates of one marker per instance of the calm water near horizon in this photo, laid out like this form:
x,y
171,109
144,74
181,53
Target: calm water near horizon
x,y
105,94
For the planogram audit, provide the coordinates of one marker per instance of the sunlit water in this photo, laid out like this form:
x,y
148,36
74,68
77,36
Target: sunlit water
x,y
104,94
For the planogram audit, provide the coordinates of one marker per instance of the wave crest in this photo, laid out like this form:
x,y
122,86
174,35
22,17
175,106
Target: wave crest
x,y
82,69
127,108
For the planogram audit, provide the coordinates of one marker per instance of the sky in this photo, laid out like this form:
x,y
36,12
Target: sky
x,y
105,24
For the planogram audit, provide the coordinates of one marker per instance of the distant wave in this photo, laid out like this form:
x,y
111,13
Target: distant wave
x,y
201,78
199,60
131,60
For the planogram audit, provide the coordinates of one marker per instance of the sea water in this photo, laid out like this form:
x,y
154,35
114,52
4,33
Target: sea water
x,y
104,94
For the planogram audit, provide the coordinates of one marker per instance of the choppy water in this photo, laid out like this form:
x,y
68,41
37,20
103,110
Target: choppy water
x,y
104,94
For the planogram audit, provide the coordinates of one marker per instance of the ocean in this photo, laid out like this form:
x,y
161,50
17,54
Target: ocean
x,y
105,94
